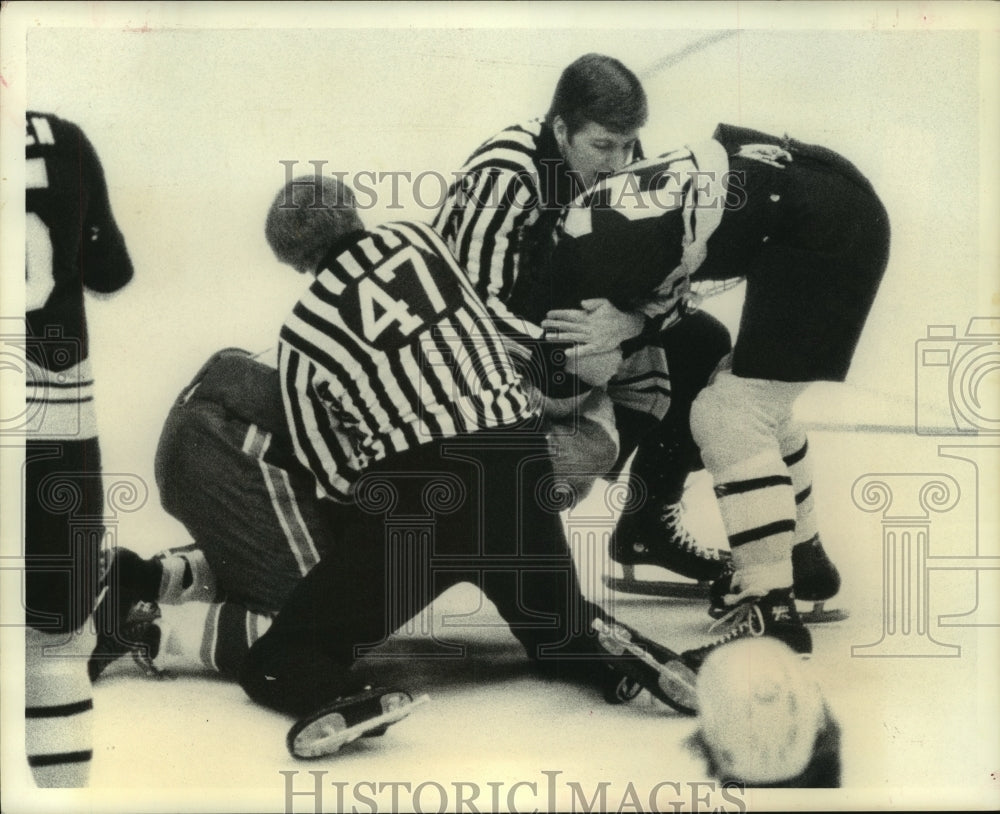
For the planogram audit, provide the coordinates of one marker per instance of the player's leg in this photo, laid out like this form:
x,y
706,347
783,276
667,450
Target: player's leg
x,y
358,594
258,529
58,707
63,535
651,529
526,568
816,577
809,291
735,421
259,526
193,637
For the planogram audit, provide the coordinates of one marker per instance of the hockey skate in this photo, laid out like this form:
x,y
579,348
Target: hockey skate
x,y
640,663
138,635
815,577
128,581
816,580
774,615
366,714
660,538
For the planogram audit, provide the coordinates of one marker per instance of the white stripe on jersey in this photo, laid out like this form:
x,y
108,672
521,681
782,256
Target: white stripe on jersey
x,y
58,405
417,372
505,154
351,266
36,176
369,249
497,309
353,370
505,196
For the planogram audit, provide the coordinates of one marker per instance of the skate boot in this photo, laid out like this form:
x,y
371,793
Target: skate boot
x,y
816,579
637,663
128,579
138,635
774,615
660,538
368,713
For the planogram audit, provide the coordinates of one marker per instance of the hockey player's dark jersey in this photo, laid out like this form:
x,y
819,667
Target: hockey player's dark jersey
x,y
390,349
71,243
797,221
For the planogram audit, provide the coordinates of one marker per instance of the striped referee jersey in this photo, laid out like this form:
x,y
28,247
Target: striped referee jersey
x,y
390,348
500,209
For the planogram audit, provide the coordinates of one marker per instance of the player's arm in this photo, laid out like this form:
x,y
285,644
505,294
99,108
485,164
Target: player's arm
x,y
104,262
317,443
599,327
614,293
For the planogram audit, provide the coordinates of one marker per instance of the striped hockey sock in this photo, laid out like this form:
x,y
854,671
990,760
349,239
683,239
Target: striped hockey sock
x,y
795,454
203,636
757,504
58,707
187,576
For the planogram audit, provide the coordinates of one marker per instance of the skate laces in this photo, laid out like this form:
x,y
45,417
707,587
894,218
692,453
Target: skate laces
x,y
141,618
673,518
745,618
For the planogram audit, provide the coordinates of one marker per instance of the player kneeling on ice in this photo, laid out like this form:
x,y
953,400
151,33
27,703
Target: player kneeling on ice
x,y
399,401
806,231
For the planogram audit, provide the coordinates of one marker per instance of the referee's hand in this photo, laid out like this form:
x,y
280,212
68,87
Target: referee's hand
x,y
596,327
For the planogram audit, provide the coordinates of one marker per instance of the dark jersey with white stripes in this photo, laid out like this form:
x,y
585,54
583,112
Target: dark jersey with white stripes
x,y
71,243
799,222
635,236
389,349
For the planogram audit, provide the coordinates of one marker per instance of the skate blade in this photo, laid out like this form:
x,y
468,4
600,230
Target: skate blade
x,y
678,682
329,733
675,590
675,682
818,614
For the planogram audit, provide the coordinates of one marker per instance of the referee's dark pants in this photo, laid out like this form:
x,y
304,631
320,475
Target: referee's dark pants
x,y
475,509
